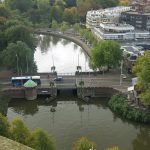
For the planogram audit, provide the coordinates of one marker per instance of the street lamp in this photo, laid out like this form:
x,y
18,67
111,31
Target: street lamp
x,y
17,65
121,66
27,64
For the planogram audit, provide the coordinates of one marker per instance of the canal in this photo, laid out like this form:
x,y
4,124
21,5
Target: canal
x,y
74,118
63,54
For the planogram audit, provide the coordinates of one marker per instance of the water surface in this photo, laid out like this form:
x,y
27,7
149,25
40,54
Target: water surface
x,y
74,119
63,54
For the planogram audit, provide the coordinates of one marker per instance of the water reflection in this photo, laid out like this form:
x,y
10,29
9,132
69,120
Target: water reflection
x,y
74,118
142,140
65,54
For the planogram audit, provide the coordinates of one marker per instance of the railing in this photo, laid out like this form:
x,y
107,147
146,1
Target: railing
x,y
66,74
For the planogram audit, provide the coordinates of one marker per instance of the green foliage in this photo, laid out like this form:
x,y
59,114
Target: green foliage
x,y
19,132
84,144
4,12
55,24
21,5
64,26
4,126
106,53
118,104
18,54
142,71
41,140
71,15
20,33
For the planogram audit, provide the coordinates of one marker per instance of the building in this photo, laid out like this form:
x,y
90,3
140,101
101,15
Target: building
x,y
109,15
139,20
119,32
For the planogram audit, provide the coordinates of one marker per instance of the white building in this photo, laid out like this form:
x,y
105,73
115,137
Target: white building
x,y
109,15
119,32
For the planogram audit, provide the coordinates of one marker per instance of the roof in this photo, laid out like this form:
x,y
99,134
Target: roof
x,y
30,84
20,78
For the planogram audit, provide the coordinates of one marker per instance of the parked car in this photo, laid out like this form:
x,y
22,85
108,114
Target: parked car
x,y
58,79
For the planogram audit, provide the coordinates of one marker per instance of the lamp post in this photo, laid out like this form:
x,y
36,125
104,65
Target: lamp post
x,y
121,72
27,64
17,65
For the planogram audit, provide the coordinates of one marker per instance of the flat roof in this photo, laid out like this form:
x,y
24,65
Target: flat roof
x,y
137,13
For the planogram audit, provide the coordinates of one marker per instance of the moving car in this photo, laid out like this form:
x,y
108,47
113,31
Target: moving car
x,y
58,78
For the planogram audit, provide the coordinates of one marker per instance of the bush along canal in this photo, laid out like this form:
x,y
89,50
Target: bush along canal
x,y
118,104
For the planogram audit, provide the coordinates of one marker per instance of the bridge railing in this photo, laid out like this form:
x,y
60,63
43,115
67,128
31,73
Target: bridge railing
x,y
66,74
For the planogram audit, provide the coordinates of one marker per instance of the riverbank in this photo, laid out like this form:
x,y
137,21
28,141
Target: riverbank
x,y
119,105
67,36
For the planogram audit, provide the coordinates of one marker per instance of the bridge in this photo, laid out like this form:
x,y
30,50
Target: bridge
x,y
84,85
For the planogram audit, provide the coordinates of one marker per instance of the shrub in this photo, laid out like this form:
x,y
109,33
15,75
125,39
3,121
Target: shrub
x,y
19,132
118,104
4,126
84,144
41,140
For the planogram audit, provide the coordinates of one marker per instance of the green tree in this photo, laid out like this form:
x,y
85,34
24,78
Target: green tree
x,y
84,144
76,27
55,25
17,55
21,5
4,126
142,71
19,132
57,13
71,15
106,54
64,26
41,140
4,12
20,33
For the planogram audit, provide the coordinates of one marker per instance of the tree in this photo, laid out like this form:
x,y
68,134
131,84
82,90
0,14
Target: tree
x,y
57,13
124,2
106,54
4,126
18,53
4,12
41,140
64,26
20,33
21,5
142,71
19,132
71,15
84,144
55,25
76,27
70,3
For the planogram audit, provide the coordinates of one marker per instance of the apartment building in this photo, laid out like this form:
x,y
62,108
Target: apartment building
x,y
109,15
139,20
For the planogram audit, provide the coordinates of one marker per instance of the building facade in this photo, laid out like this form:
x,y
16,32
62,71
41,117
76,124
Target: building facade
x,y
139,20
109,15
